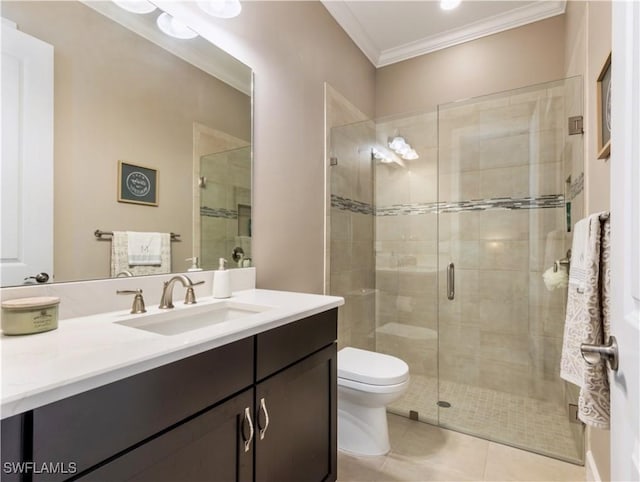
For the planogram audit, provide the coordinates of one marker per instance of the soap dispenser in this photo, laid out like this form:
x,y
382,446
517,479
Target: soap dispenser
x,y
194,264
221,281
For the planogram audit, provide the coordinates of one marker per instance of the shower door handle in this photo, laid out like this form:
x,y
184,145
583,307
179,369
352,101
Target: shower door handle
x,y
451,281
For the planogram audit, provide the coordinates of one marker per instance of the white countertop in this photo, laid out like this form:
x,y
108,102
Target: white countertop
x,y
91,351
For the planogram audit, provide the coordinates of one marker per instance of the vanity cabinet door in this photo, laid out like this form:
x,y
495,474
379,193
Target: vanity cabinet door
x,y
13,454
298,442
93,426
209,447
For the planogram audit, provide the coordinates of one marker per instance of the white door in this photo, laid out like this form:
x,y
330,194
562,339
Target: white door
x,y
26,165
625,237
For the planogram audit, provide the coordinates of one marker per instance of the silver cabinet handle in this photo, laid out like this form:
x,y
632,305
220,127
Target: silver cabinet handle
x,y
451,281
247,441
592,354
263,408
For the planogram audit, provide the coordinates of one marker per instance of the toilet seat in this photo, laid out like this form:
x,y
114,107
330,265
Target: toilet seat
x,y
372,389
371,368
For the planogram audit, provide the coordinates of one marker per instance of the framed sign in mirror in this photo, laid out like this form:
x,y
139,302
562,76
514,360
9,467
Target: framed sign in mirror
x,y
604,110
137,184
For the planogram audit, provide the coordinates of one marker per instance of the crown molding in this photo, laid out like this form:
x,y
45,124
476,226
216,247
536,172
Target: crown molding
x,y
341,12
498,23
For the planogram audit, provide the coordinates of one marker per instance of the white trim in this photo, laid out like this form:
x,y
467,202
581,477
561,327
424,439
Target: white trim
x,y
351,25
498,23
592,474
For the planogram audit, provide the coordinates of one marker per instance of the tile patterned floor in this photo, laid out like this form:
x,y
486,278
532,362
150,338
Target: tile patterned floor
x,y
421,452
525,422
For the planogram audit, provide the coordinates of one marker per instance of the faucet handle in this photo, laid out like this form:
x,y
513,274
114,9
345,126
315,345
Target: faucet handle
x,y
190,295
138,301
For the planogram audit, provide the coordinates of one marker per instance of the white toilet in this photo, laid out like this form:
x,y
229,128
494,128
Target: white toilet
x,y
367,383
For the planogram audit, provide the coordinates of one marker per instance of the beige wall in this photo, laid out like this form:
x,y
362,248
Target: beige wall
x,y
588,42
293,48
515,58
108,108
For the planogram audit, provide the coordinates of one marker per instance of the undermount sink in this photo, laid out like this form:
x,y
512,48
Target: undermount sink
x,y
179,321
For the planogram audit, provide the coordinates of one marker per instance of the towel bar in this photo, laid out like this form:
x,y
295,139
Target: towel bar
x,y
103,235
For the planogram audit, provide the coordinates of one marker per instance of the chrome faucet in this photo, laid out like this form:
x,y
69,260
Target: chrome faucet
x,y
166,301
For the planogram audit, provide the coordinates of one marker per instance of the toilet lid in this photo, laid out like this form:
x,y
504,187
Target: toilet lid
x,y
371,367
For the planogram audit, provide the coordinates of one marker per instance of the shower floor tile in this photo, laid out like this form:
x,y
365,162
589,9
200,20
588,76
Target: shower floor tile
x,y
532,424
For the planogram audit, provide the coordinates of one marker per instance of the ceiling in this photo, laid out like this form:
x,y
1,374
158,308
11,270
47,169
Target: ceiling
x,y
391,31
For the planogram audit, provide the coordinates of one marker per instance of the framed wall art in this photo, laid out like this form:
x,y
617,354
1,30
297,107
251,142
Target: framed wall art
x,y
604,110
137,184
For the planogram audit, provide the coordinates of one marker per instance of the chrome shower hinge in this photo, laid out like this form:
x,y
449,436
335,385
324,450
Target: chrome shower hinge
x,y
333,161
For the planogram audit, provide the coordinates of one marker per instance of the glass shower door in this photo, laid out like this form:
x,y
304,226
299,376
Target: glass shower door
x,y
509,180
225,205
406,258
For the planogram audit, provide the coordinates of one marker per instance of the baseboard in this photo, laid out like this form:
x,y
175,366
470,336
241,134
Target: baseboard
x,y
592,469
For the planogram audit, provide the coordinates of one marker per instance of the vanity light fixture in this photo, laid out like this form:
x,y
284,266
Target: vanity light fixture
x,y
401,147
136,6
221,8
449,4
384,155
378,155
174,28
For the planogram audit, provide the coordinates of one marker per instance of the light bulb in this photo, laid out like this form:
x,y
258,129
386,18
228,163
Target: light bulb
x,y
410,155
174,28
397,143
135,6
449,4
221,8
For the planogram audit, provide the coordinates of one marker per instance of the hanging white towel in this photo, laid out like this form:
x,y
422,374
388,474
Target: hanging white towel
x,y
587,319
144,249
122,261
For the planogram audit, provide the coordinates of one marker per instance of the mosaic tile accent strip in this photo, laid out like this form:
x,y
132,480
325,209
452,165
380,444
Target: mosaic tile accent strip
x,y
346,204
576,187
538,202
218,213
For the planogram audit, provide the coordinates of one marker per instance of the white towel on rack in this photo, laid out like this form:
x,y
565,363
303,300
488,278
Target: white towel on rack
x,y
579,262
144,249
121,261
587,319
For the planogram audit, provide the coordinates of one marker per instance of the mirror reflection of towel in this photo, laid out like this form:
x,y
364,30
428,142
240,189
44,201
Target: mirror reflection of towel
x,y
144,249
120,256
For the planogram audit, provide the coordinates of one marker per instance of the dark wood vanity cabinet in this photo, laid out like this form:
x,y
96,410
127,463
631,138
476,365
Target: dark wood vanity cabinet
x,y
299,442
259,409
209,446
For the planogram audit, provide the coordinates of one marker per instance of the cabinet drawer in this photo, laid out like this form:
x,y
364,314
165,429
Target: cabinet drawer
x,y
93,426
280,347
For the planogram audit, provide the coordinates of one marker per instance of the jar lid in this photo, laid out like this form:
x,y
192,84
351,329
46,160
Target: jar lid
x,y
35,302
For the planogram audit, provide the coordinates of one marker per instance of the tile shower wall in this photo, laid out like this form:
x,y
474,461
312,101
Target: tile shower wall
x,y
509,147
499,182
225,205
352,233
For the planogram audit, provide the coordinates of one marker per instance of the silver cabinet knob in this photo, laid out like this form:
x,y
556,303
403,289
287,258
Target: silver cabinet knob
x,y
592,354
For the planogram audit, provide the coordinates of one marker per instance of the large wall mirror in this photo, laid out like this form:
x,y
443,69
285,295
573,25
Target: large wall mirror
x,y
124,98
